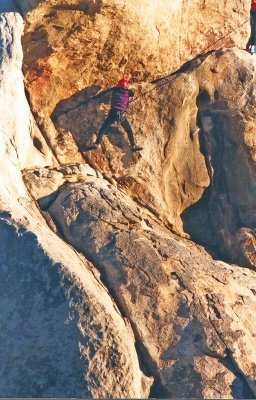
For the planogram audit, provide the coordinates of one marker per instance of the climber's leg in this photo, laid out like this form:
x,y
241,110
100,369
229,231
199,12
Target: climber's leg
x,y
252,40
253,28
127,127
105,126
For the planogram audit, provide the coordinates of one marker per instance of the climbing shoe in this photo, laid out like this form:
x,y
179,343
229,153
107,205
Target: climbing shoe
x,y
136,148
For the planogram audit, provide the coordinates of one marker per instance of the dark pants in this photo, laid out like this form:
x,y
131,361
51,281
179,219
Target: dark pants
x,y
115,115
252,40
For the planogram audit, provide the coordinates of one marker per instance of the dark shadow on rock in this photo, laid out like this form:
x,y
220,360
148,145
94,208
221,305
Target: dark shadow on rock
x,y
196,218
39,336
9,6
197,223
181,355
240,388
119,139
5,215
89,7
82,115
116,136
79,115
46,201
214,220
75,102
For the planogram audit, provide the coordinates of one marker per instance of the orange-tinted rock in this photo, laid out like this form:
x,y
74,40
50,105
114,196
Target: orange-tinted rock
x,y
193,317
87,44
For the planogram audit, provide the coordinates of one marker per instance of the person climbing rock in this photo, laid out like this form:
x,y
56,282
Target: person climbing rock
x,y
119,104
251,45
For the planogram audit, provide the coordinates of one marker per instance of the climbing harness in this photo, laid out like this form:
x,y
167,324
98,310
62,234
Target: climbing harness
x,y
119,117
166,81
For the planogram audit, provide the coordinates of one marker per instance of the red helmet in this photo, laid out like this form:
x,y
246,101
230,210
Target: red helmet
x,y
123,83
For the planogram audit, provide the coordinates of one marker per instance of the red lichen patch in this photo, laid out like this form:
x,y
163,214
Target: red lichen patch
x,y
97,160
37,81
34,73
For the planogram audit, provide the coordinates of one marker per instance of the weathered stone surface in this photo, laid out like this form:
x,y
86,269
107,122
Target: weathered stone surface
x,y
245,243
61,334
216,380
178,123
61,141
197,132
76,44
43,183
188,312
193,317
226,111
25,138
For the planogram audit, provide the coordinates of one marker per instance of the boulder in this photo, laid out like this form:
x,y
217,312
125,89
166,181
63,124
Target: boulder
x,y
192,316
62,335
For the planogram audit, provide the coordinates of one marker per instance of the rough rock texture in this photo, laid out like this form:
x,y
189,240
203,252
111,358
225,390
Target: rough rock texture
x,y
61,333
174,121
226,118
43,183
19,135
192,317
198,131
75,44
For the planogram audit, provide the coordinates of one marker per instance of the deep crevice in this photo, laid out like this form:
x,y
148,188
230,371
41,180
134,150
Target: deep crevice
x,y
38,144
205,220
240,387
198,214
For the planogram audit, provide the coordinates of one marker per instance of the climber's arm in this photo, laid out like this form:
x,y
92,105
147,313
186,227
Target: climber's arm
x,y
102,93
97,96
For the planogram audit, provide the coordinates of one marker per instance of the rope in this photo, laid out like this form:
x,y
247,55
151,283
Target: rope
x,y
162,84
195,56
227,34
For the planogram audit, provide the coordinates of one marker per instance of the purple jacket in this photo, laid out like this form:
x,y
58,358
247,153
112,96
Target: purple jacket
x,y
120,98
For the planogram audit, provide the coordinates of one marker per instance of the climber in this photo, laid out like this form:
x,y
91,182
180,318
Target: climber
x,y
119,104
251,45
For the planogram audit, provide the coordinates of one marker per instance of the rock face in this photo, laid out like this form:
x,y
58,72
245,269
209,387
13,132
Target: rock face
x,y
227,126
99,248
76,44
20,134
190,314
197,133
62,335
